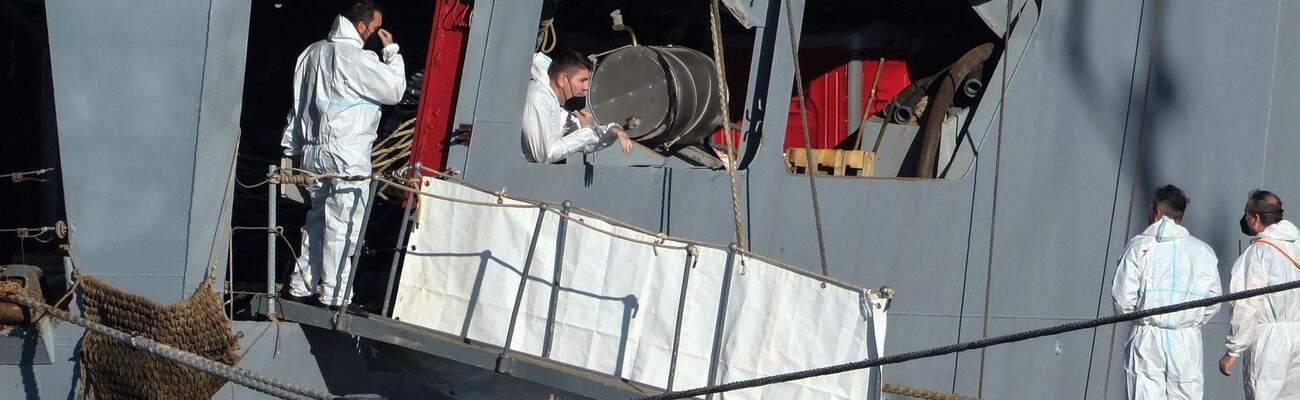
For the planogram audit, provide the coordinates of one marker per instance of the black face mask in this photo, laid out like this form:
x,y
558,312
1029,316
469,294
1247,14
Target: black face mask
x,y
1245,228
373,43
575,103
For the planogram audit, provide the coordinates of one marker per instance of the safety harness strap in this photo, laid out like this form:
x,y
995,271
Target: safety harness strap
x,y
1279,251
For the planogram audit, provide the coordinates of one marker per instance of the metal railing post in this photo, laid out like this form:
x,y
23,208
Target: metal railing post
x,y
555,281
271,200
504,364
356,249
401,237
715,357
681,312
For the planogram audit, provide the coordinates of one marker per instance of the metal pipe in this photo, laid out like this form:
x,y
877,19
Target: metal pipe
x,y
938,109
714,358
854,85
973,83
356,250
902,108
271,200
555,281
691,250
519,294
401,239
617,17
871,100
67,272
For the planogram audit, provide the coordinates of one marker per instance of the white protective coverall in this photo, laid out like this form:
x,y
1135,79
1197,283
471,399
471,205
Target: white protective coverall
x,y
1266,329
546,121
338,88
1161,266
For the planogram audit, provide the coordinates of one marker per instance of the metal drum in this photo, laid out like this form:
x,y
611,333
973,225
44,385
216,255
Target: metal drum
x,y
662,96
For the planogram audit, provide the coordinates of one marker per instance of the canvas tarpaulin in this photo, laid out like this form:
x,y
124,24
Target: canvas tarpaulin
x,y
618,298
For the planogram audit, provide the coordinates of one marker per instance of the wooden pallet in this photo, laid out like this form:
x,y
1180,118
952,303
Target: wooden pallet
x,y
831,162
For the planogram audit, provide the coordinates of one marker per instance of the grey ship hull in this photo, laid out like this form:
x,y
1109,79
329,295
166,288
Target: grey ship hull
x,y
1104,100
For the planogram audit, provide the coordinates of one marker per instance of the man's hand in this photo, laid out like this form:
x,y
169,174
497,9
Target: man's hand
x,y
385,37
624,142
584,118
1225,364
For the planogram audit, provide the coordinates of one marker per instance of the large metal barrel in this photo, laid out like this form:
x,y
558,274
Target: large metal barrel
x,y
661,95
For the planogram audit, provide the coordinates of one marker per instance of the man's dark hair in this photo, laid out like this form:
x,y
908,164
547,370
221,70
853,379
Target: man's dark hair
x,y
1171,200
567,61
1267,205
361,11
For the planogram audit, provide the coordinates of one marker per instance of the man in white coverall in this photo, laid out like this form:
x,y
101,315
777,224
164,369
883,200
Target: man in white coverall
x,y
551,133
1266,329
1165,265
338,88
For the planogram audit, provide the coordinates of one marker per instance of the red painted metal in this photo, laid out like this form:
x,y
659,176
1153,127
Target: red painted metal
x,y
441,77
827,91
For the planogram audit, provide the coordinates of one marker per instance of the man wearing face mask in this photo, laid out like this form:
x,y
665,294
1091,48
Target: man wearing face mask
x,y
1266,329
551,132
1165,265
338,88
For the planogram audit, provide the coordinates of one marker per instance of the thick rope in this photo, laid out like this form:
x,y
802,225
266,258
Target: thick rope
x,y
240,376
393,148
976,344
807,142
715,28
305,177
924,394
545,36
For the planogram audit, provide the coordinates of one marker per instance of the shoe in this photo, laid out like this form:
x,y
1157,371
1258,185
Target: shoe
x,y
298,299
352,308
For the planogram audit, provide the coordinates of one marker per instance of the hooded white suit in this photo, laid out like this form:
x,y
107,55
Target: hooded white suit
x,y
338,88
1161,266
1266,329
546,121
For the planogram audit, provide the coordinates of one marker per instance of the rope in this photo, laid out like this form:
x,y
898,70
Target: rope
x,y
715,28
394,147
866,111
305,177
16,177
594,214
1137,169
976,344
924,394
240,376
60,231
546,37
807,143
546,207
997,177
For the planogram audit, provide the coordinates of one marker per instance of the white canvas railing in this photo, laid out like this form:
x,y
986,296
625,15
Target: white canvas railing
x,y
615,300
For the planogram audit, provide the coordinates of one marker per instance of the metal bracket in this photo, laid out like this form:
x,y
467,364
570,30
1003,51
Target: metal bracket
x,y
342,321
505,365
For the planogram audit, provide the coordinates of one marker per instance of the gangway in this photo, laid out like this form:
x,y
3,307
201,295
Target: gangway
x,y
608,310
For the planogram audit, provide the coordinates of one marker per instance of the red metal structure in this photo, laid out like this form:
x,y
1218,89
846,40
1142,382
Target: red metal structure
x,y
826,86
441,75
